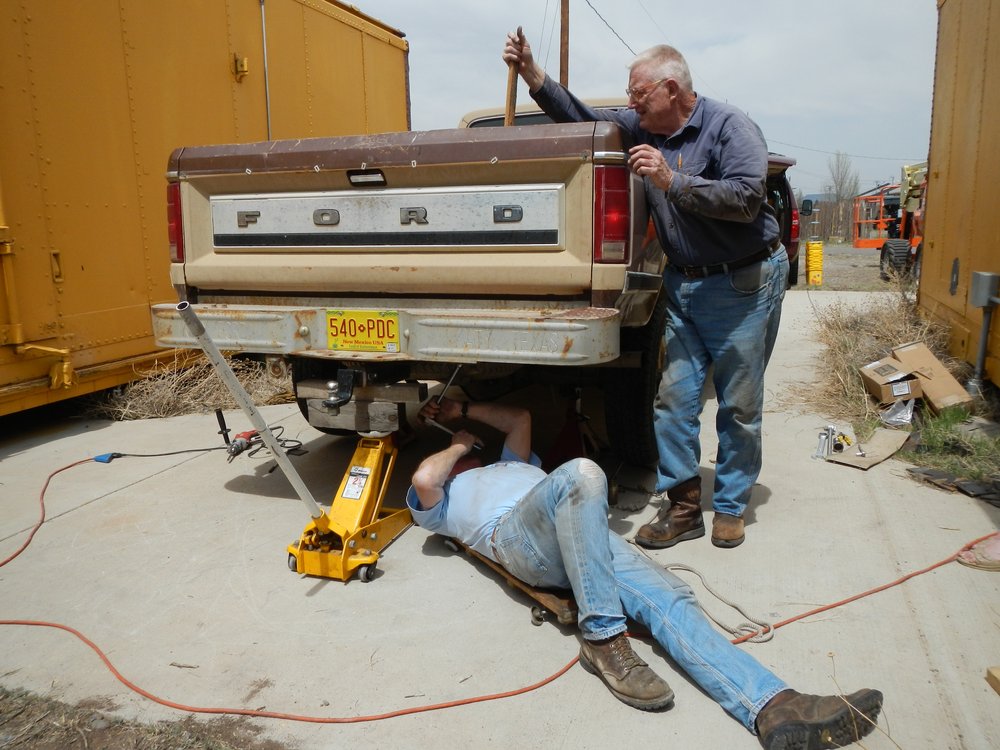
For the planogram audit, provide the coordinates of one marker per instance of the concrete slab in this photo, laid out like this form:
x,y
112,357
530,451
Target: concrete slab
x,y
175,566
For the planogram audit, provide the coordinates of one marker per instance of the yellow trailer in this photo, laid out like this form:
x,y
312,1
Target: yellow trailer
x,y
95,97
962,231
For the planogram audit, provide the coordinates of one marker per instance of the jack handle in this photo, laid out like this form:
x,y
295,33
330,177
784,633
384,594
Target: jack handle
x,y
508,116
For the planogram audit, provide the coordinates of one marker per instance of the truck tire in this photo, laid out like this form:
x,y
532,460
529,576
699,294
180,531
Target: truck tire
x,y
895,257
793,273
629,392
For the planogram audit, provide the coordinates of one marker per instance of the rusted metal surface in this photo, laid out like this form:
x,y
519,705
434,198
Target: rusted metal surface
x,y
387,150
579,336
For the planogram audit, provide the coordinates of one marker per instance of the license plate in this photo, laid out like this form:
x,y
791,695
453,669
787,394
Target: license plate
x,y
362,330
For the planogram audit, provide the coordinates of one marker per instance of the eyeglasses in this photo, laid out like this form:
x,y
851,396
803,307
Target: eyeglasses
x,y
642,92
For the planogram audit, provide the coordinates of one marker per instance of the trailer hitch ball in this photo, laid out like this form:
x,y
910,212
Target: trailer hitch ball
x,y
340,391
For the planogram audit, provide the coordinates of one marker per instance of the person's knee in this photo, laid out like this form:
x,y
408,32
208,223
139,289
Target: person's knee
x,y
588,477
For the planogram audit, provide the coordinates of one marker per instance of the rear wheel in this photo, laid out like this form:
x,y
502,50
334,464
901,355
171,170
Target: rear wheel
x,y
793,272
629,392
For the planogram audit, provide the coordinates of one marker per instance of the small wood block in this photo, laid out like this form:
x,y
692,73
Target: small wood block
x,y
993,677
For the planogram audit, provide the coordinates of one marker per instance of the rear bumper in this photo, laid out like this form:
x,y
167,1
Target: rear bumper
x,y
576,336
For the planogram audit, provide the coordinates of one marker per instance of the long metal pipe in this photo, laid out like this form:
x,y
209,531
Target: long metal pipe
x,y
975,385
222,367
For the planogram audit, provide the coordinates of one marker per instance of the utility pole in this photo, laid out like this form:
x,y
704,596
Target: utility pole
x,y
564,45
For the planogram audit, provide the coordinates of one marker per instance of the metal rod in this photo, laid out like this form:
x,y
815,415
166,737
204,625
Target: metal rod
x,y
975,385
448,384
477,445
188,315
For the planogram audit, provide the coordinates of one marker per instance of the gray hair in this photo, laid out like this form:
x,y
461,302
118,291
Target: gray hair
x,y
665,61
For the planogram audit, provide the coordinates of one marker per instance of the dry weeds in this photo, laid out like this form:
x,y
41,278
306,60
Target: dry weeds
x,y
855,335
31,721
190,386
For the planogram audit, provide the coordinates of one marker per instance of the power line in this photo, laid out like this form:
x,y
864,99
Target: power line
x,y
783,143
834,153
611,27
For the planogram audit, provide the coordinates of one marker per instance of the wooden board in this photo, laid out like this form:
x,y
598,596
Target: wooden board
x,y
993,677
558,603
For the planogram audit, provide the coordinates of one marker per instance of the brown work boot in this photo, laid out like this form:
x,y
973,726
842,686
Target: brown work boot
x,y
626,675
727,531
794,721
678,520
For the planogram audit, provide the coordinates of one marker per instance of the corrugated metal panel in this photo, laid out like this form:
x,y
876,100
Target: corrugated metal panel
x,y
962,226
95,97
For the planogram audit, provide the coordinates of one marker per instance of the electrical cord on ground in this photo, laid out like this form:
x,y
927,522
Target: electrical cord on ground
x,y
401,712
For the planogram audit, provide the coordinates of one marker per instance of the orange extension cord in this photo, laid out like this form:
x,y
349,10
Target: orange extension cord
x,y
405,711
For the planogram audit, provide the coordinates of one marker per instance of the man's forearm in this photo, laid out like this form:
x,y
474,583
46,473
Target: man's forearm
x,y
433,472
513,421
498,416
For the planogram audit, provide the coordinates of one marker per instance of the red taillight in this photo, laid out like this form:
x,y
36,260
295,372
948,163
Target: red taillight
x,y
795,225
175,227
611,215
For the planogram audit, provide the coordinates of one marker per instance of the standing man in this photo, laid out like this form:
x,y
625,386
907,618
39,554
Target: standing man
x,y
551,530
704,164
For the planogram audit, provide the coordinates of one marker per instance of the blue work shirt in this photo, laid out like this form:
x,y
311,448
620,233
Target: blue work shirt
x,y
714,211
475,500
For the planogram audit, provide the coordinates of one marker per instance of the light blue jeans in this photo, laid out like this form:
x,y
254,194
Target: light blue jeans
x,y
557,536
729,321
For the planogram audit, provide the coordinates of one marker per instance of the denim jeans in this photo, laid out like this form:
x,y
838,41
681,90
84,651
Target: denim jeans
x,y
729,321
557,536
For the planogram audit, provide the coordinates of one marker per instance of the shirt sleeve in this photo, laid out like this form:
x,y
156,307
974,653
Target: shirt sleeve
x,y
739,191
562,106
432,519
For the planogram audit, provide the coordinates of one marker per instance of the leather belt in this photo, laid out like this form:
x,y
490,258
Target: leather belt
x,y
700,272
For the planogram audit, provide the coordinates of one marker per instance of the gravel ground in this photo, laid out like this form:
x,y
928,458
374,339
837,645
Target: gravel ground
x,y
845,269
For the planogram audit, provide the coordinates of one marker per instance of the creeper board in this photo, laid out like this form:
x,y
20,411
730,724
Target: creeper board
x,y
556,602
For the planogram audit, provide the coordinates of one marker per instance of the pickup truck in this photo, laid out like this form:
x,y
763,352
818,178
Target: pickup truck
x,y
490,257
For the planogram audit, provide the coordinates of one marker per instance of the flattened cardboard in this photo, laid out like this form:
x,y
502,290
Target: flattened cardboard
x,y
889,380
881,445
940,388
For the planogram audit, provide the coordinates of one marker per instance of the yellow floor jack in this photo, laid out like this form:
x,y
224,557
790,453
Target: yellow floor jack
x,y
350,537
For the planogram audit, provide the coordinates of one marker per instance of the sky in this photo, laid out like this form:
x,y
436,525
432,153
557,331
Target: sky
x,y
851,76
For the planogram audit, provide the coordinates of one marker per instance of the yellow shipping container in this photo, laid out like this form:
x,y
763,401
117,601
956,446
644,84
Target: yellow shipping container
x,y
95,97
962,232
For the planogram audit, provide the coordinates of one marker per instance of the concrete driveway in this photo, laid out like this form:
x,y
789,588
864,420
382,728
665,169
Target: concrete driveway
x,y
175,567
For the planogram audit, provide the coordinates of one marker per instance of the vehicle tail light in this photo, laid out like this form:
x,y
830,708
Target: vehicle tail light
x,y
795,225
175,226
611,215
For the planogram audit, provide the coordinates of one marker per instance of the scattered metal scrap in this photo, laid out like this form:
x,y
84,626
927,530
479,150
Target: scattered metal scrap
x,y
986,490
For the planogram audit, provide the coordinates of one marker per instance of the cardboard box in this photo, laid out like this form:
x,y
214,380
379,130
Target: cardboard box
x,y
940,388
889,380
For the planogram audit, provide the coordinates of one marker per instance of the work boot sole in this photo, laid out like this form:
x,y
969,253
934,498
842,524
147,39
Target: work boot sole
x,y
728,543
847,726
664,543
666,701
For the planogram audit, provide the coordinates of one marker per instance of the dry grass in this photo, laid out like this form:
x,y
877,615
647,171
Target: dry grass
x,y
31,721
187,386
856,335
